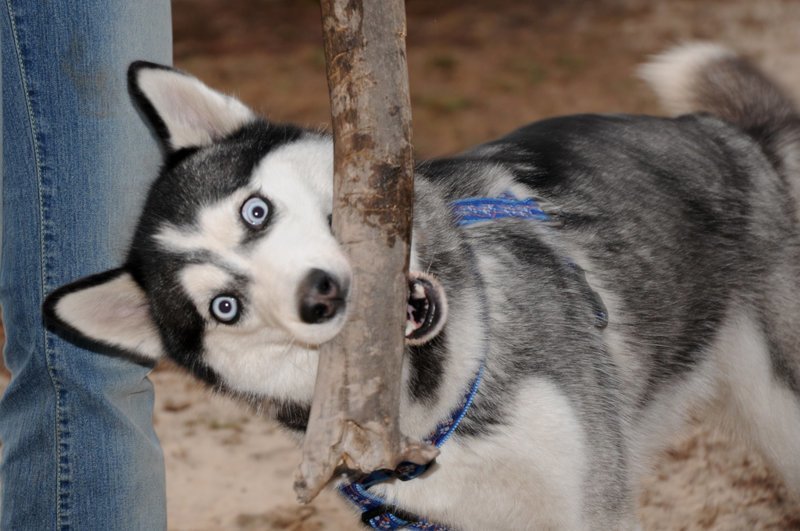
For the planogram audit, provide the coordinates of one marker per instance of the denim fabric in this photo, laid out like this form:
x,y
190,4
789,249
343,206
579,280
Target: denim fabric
x,y
79,451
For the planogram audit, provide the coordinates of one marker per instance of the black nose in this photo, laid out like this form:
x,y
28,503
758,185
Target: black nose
x,y
321,297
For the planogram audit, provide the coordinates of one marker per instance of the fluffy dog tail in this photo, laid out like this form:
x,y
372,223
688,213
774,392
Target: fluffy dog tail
x,y
706,77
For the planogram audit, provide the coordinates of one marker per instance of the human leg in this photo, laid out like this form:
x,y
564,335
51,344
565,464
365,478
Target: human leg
x,y
78,446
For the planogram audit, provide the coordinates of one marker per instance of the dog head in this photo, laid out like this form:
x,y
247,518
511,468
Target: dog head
x,y
233,271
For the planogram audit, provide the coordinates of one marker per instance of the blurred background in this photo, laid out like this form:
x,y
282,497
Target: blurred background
x,y
478,69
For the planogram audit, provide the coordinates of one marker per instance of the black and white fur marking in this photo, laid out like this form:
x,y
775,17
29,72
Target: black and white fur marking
x,y
687,228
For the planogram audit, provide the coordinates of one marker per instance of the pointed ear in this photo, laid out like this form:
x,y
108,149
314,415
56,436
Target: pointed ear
x,y
183,111
107,310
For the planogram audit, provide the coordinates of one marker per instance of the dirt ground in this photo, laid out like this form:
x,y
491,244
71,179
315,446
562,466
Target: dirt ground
x,y
477,70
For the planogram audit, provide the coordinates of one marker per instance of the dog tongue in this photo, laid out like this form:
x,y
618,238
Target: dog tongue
x,y
411,323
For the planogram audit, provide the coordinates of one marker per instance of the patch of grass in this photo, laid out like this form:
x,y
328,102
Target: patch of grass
x,y
572,64
529,69
443,62
536,73
316,58
446,104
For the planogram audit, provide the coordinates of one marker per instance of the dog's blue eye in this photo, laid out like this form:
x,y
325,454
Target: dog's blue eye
x,y
255,211
225,308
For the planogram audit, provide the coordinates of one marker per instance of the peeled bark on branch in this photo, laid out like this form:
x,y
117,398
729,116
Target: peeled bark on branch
x,y
354,414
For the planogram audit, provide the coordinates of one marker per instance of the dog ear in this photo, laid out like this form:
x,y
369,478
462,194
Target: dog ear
x,y
107,311
182,110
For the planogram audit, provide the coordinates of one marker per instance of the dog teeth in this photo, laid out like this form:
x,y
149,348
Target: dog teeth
x,y
418,292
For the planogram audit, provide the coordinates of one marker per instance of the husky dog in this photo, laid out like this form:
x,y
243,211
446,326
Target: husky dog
x,y
663,275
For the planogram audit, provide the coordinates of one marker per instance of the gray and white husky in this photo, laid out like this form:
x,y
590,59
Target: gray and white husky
x,y
663,276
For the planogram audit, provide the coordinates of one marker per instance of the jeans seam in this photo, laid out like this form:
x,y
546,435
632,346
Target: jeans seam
x,y
62,521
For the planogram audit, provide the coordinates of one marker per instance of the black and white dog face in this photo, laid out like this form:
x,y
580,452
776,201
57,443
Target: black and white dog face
x,y
233,270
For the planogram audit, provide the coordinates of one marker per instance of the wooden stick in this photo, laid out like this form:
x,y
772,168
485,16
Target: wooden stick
x,y
354,414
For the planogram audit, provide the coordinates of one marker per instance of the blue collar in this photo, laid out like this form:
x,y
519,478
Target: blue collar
x,y
375,512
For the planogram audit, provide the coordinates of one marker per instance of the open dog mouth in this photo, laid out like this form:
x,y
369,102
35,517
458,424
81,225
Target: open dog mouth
x,y
425,309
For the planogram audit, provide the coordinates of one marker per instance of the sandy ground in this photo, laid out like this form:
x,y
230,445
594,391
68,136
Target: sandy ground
x,y
477,69
228,469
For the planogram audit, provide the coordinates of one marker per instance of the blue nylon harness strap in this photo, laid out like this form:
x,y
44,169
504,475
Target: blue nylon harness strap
x,y
476,209
480,209
375,512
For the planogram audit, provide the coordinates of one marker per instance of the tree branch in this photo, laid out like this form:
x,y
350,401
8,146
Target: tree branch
x,y
354,414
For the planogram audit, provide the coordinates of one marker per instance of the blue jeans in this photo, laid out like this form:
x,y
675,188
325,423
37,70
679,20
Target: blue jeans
x,y
79,451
